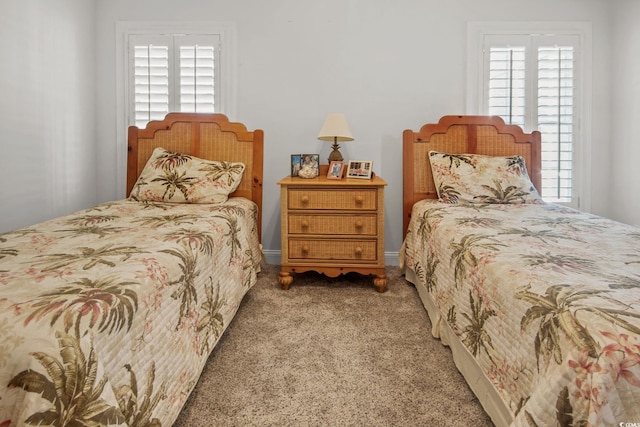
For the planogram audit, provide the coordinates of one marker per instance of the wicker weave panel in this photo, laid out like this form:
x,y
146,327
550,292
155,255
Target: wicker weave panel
x,y
331,250
352,199
333,224
492,143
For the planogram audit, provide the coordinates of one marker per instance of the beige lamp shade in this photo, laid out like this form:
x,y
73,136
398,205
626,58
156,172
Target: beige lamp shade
x,y
334,129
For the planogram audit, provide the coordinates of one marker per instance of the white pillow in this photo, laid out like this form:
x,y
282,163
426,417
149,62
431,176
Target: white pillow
x,y
180,178
474,178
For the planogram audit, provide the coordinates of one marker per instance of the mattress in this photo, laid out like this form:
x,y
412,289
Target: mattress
x,y
108,315
540,303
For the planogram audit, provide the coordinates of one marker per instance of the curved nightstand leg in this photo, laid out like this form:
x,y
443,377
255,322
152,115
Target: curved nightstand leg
x,y
380,282
285,280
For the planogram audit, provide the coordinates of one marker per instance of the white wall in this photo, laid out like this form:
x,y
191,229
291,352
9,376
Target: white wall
x,y
47,106
388,65
625,182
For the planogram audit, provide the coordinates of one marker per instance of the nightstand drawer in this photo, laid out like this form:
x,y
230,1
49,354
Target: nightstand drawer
x,y
351,250
364,224
358,199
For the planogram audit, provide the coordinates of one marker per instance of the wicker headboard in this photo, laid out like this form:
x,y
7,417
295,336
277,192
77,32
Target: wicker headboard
x,y
208,136
487,135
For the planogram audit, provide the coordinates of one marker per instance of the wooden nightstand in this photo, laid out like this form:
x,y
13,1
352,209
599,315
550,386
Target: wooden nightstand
x,y
332,227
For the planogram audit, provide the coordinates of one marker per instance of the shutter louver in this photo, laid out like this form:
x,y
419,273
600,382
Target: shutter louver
x,y
197,79
151,83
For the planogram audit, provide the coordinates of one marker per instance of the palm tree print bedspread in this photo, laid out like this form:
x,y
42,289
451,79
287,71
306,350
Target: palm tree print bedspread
x,y
108,315
547,300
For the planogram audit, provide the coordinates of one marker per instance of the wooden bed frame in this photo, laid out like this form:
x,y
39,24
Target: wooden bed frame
x,y
487,135
208,136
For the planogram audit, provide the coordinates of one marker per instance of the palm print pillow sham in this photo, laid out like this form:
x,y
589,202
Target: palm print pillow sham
x,y
180,178
475,178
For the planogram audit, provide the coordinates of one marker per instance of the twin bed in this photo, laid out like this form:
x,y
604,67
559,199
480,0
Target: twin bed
x,y
108,315
539,303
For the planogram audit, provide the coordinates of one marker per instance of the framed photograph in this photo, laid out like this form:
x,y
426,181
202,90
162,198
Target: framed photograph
x,y
360,169
336,169
305,165
296,164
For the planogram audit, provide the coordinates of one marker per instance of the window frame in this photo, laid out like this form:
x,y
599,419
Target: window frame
x,y
227,73
475,95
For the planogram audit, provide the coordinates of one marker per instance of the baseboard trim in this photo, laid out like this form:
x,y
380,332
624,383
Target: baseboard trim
x,y
273,257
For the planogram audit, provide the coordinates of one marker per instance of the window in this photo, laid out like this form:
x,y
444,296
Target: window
x,y
163,67
172,73
534,80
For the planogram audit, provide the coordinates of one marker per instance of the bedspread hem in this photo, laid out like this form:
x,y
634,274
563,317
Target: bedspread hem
x,y
486,393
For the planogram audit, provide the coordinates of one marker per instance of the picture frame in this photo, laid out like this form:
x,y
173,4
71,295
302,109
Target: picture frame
x,y
360,169
296,164
336,170
305,165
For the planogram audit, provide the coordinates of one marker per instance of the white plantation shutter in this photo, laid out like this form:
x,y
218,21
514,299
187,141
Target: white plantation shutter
x,y
556,87
151,83
197,79
173,73
531,81
506,97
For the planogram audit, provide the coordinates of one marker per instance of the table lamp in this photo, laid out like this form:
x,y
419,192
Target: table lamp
x,y
335,128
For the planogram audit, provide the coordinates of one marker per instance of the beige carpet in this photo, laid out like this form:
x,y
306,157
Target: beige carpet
x,y
331,352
